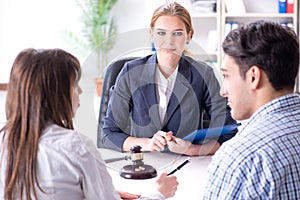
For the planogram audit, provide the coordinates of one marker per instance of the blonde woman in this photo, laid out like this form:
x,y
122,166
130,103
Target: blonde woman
x,y
160,98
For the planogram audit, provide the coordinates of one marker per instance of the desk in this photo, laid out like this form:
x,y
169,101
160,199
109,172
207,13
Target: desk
x,y
192,177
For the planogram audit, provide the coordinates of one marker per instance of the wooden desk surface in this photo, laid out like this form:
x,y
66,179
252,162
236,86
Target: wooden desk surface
x,y
192,177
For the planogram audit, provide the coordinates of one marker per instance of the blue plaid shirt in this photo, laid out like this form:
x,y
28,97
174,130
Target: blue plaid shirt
x,y
263,160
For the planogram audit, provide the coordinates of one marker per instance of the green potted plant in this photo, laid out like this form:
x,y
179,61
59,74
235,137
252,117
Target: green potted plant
x,y
98,32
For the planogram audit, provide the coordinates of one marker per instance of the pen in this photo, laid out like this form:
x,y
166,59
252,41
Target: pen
x,y
180,166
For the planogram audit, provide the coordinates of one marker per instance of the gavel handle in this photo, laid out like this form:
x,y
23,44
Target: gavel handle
x,y
117,159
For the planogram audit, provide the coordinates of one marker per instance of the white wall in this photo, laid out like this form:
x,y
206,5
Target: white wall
x,y
32,23
41,23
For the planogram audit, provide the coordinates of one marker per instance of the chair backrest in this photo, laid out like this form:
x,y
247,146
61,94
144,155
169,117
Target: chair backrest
x,y
110,76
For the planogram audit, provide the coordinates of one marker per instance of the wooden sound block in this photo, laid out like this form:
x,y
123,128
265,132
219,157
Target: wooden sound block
x,y
138,172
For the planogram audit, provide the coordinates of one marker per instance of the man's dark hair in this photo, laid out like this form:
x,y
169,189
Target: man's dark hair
x,y
268,45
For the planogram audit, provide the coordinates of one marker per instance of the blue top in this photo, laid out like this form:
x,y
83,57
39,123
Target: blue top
x,y
262,160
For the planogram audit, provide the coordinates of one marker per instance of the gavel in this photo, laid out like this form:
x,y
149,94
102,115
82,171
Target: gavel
x,y
137,170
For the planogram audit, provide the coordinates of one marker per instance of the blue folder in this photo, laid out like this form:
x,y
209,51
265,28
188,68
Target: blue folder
x,y
198,136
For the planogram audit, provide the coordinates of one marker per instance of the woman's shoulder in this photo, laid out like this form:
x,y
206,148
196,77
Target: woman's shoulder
x,y
197,67
139,66
67,139
196,62
141,61
57,133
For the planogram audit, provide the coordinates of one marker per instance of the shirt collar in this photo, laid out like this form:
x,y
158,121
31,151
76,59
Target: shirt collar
x,y
161,80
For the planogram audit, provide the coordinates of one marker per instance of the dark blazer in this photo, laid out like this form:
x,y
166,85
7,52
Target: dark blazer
x,y
133,105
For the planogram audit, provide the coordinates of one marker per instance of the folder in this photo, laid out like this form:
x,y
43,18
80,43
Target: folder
x,y
198,136
282,6
227,28
289,6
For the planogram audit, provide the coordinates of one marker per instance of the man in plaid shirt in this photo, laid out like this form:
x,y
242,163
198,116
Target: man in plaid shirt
x,y
262,161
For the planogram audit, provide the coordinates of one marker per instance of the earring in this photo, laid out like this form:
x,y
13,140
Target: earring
x,y
187,42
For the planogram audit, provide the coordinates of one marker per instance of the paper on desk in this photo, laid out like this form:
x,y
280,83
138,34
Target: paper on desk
x,y
198,136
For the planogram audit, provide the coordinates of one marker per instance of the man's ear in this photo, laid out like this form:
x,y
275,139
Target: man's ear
x,y
254,75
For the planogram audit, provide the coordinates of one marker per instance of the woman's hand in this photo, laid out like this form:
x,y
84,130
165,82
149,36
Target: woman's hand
x,y
126,195
159,141
167,185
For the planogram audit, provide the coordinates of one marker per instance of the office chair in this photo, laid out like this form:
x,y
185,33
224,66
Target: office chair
x,y
110,76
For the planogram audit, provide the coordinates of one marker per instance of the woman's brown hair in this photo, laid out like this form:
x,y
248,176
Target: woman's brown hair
x,y
39,92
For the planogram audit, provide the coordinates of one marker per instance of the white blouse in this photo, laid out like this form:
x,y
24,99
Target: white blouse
x,y
164,90
69,167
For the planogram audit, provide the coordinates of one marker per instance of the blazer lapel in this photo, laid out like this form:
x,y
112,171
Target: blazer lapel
x,y
180,89
147,80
